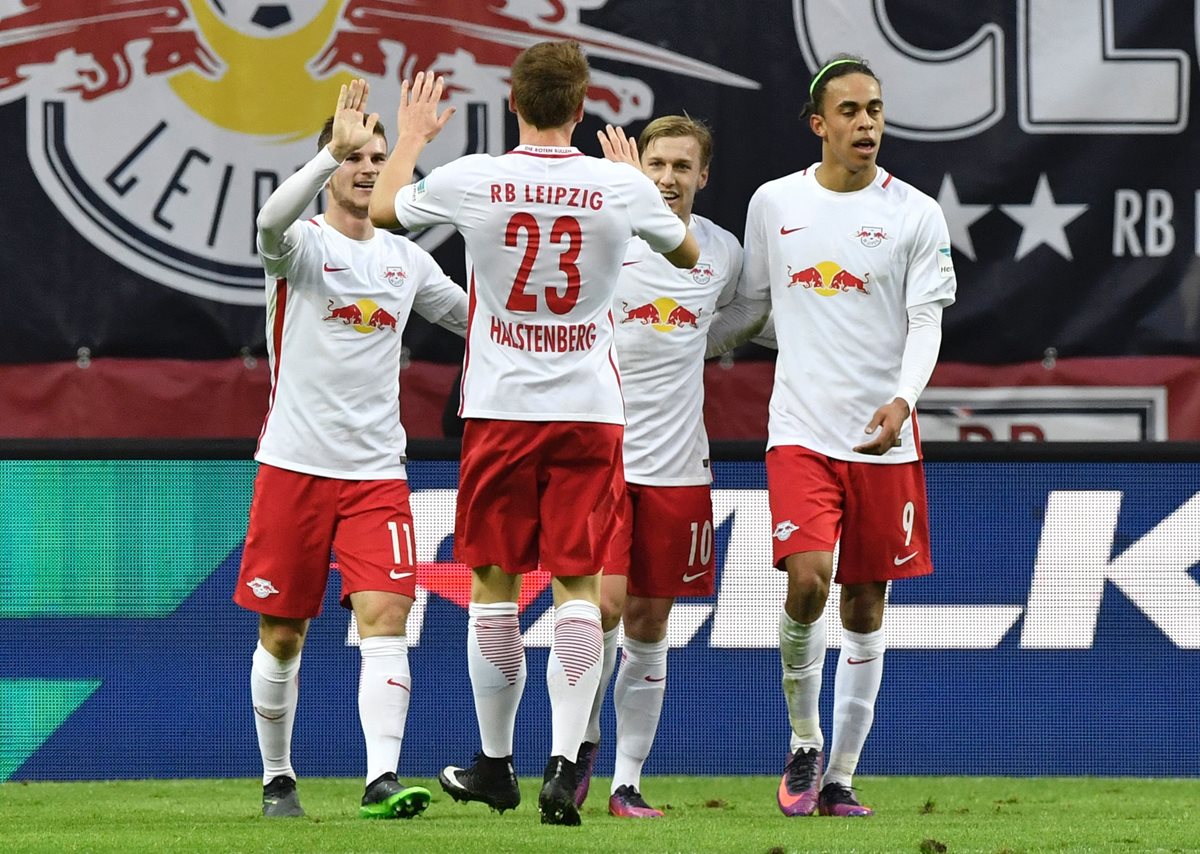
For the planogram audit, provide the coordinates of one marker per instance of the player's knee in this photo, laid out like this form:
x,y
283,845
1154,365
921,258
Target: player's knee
x,y
806,596
282,638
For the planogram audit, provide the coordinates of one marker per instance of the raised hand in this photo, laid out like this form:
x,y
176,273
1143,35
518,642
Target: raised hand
x,y
417,118
352,126
619,148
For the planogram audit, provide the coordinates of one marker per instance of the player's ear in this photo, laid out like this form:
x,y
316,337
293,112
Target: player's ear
x,y
703,181
816,123
579,113
512,104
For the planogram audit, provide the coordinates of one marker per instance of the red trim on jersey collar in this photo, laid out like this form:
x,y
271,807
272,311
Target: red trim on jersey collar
x,y
886,180
553,151
314,222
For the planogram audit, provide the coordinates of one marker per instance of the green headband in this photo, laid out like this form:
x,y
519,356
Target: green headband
x,y
821,73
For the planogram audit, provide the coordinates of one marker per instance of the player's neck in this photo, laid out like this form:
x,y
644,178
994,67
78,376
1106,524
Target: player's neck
x,y
558,137
353,226
835,177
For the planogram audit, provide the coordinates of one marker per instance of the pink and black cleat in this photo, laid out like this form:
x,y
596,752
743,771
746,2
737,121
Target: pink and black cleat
x,y
585,760
838,800
627,802
798,786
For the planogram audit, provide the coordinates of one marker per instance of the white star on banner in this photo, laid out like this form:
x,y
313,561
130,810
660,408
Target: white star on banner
x,y
959,217
1043,221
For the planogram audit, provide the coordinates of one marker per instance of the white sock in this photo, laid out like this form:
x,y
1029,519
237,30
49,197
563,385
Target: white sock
x,y
384,689
274,691
802,653
859,671
607,666
638,696
573,673
496,664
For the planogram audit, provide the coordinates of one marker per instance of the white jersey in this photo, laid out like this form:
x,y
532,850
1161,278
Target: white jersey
x,y
336,310
546,230
841,270
663,314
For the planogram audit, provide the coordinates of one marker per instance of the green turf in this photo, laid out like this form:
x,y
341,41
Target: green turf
x,y
736,814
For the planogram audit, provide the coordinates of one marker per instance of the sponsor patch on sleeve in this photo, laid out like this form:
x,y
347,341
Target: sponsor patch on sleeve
x,y
418,189
945,262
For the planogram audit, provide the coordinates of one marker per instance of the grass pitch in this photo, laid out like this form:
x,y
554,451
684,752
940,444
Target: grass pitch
x,y
736,814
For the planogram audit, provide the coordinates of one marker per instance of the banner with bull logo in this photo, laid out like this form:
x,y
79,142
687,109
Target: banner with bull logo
x,y
143,135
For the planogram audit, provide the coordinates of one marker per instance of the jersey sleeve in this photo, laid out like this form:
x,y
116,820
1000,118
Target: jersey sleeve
x,y
438,299
280,238
432,200
756,281
650,217
930,276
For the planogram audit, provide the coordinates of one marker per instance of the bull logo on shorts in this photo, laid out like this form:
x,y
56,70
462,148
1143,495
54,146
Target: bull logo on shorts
x,y
261,587
784,530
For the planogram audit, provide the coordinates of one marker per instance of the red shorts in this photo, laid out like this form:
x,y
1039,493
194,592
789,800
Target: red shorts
x,y
296,519
878,511
533,491
664,543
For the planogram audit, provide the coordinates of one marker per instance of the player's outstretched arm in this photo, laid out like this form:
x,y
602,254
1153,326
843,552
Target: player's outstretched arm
x,y
352,129
417,124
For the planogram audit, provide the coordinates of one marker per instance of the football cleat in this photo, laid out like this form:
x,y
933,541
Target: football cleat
x,y
584,762
798,787
838,800
627,802
556,802
387,797
280,799
489,780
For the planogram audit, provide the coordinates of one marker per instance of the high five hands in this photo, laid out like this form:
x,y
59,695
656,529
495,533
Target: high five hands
x,y
417,118
619,148
353,127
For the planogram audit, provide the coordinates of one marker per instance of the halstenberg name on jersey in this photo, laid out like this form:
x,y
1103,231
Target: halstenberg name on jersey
x,y
544,338
547,194
945,263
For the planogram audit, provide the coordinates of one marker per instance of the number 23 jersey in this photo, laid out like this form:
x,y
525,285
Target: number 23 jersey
x,y
546,230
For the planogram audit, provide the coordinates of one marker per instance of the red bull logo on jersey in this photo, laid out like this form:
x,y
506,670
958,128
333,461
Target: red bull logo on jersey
x,y
870,235
827,279
364,315
159,127
702,273
395,276
663,314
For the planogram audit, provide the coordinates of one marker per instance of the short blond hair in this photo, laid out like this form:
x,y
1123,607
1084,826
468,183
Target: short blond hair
x,y
679,126
549,82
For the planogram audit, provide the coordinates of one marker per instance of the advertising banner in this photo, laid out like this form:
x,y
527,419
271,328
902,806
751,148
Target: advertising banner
x,y
1059,634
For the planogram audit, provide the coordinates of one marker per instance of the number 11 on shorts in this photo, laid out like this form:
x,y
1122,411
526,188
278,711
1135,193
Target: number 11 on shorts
x,y
408,542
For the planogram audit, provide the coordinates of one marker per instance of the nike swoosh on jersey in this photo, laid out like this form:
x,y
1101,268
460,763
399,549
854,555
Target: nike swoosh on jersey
x,y
629,263
396,576
786,231
329,269
898,561
687,577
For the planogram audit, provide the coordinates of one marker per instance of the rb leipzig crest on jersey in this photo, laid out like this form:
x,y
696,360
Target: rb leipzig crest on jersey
x,y
159,127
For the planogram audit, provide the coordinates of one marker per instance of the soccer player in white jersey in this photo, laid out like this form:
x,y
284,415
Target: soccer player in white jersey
x,y
856,264
664,545
331,452
546,230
